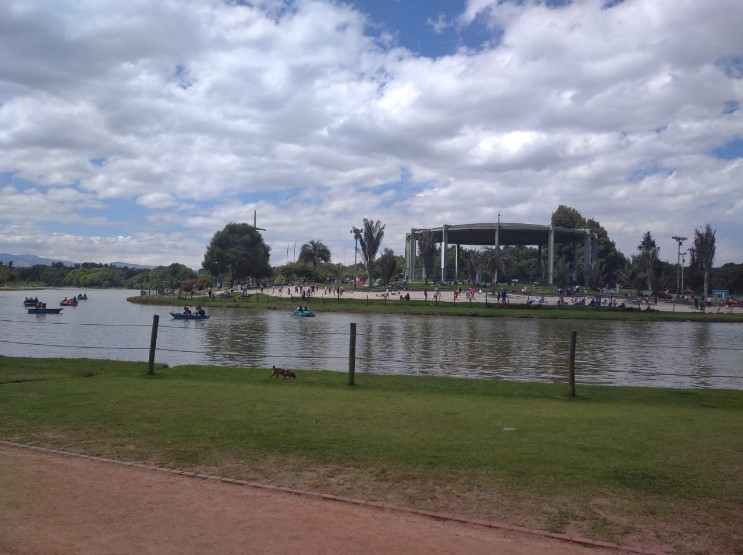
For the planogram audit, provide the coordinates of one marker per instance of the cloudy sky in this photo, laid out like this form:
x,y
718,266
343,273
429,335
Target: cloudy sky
x,y
133,131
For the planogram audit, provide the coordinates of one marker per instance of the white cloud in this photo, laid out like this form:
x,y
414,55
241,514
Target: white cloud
x,y
198,114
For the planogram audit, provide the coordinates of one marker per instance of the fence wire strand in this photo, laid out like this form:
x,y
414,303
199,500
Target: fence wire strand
x,y
495,341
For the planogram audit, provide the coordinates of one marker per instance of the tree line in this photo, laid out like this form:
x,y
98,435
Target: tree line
x,y
237,254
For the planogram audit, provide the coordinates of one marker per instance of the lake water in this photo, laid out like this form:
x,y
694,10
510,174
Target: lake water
x,y
692,354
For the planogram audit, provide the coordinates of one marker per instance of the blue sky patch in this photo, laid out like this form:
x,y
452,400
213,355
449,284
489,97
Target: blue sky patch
x,y
730,150
648,171
426,28
730,106
732,66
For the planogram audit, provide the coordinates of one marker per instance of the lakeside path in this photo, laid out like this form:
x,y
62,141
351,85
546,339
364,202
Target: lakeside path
x,y
60,503
447,297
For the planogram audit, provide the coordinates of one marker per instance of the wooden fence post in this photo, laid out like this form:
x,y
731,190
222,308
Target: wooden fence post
x,y
352,355
571,373
153,344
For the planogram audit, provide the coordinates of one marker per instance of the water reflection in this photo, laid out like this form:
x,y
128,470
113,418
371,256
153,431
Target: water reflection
x,y
618,353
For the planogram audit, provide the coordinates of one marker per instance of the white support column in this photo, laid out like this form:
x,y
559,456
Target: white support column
x,y
588,254
444,246
551,255
412,252
456,261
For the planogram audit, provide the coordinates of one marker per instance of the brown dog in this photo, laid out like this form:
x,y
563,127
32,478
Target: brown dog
x,y
282,372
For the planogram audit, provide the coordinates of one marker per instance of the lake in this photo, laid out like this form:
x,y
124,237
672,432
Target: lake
x,y
658,354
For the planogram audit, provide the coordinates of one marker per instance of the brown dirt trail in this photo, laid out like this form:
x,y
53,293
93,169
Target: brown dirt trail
x,y
57,504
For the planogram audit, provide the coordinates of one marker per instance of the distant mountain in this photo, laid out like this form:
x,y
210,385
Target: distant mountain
x,y
28,260
130,265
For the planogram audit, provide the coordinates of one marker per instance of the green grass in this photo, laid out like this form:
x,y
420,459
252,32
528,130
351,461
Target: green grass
x,y
376,305
611,464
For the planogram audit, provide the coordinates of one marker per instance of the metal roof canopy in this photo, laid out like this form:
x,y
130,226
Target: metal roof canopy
x,y
508,234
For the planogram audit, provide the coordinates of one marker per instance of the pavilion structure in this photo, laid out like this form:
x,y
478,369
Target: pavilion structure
x,y
498,234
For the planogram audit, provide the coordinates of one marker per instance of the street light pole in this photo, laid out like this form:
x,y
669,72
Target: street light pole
x,y
355,232
679,271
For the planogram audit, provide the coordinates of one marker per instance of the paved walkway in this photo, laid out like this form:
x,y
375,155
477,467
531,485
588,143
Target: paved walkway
x,y
515,298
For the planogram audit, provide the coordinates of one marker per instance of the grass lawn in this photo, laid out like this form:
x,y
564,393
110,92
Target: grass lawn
x,y
658,468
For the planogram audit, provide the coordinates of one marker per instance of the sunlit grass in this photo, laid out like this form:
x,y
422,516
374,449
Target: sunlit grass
x,y
612,462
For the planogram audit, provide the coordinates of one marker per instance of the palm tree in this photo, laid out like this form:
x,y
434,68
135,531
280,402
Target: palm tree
x,y
596,275
427,251
314,252
387,265
703,252
369,238
630,275
496,262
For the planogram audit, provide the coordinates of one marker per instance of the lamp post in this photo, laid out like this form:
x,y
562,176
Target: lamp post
x,y
356,231
679,280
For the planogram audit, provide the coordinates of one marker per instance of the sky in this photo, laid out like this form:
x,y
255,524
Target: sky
x,y
134,131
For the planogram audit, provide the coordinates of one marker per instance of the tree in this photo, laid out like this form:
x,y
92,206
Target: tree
x,y
387,265
238,250
703,253
648,259
729,277
596,276
427,250
495,261
608,255
630,275
314,252
369,238
568,218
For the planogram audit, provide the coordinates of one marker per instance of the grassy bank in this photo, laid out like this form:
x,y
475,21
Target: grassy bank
x,y
651,467
374,304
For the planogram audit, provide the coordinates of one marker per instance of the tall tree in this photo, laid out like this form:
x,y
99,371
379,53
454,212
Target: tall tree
x,y
314,252
369,238
608,255
648,259
427,250
703,253
568,218
237,250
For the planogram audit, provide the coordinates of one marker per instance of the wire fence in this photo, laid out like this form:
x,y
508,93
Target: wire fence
x,y
554,347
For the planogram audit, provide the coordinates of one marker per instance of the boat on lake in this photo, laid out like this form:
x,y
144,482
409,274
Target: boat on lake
x,y
181,316
68,302
44,310
304,313
82,297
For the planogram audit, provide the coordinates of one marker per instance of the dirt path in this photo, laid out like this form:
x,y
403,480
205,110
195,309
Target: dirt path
x,y
58,504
